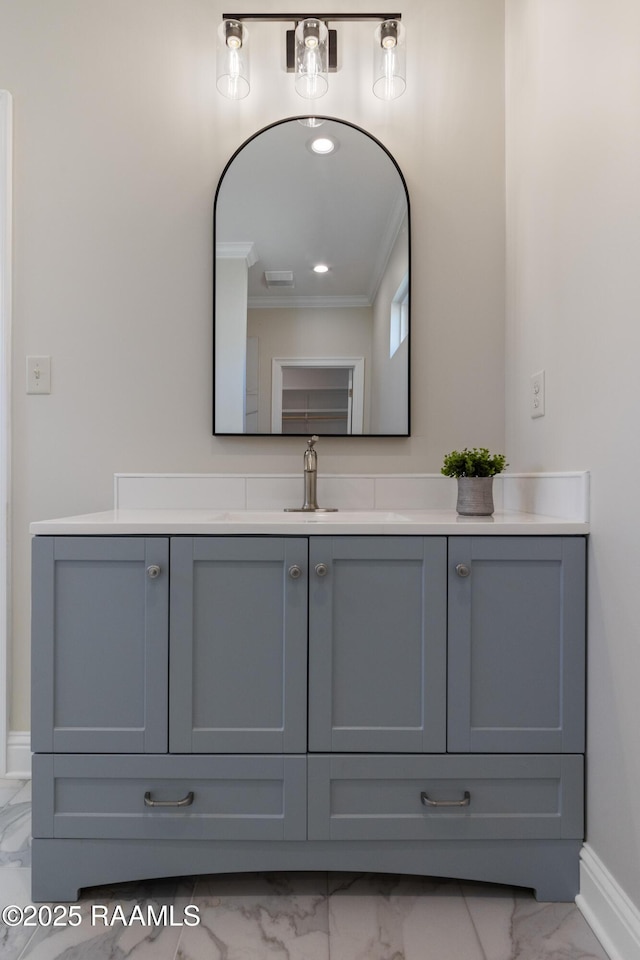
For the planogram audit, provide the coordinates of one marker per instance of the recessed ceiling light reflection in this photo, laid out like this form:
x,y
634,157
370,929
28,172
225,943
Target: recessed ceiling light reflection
x,y
321,268
323,145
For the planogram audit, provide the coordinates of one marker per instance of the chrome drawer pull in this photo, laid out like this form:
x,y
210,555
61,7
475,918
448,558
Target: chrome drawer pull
x,y
185,802
428,802
153,571
463,570
295,572
322,569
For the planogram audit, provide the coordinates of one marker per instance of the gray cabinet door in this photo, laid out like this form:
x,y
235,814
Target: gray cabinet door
x,y
238,661
99,651
377,644
516,644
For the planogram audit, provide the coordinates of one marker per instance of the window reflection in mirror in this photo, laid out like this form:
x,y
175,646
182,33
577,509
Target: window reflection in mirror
x,y
301,350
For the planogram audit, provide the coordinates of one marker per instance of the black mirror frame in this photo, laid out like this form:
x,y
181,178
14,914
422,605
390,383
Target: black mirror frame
x,y
296,437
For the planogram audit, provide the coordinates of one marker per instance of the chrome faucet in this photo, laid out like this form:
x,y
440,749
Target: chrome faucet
x,y
311,475
310,504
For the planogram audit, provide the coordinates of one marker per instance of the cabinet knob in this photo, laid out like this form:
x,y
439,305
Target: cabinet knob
x,y
153,571
322,569
295,572
463,570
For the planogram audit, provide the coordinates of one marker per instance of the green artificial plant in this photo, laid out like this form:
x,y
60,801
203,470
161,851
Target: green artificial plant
x,y
473,463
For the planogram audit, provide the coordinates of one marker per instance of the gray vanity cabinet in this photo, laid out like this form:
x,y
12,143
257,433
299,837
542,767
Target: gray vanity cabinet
x,y
442,731
377,644
516,644
238,660
100,644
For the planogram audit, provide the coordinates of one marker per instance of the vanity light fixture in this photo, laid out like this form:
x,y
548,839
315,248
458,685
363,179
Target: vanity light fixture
x,y
312,52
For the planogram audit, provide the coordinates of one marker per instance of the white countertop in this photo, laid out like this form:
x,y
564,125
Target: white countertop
x,y
366,522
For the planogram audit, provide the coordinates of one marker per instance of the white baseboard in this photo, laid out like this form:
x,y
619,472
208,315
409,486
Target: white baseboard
x,y
19,755
612,916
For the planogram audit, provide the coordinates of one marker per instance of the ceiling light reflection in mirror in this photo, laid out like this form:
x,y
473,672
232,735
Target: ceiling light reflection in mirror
x,y
323,145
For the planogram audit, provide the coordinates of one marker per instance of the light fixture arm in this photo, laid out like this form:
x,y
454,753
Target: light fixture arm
x,y
297,17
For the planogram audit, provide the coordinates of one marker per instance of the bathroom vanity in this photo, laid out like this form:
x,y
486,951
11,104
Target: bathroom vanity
x,y
219,692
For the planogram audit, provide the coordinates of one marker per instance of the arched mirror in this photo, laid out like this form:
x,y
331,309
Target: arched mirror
x,y
312,285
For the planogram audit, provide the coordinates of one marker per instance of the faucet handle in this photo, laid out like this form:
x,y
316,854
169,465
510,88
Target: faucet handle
x,y
311,442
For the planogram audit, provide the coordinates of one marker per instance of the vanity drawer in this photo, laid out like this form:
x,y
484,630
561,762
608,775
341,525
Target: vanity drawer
x,y
359,797
170,797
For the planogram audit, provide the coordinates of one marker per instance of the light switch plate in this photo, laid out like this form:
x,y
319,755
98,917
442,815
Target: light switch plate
x,y
39,375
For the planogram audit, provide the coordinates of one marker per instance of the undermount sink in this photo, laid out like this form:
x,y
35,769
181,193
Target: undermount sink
x,y
352,516
339,516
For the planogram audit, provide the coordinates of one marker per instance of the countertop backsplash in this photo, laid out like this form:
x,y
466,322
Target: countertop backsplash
x,y
561,495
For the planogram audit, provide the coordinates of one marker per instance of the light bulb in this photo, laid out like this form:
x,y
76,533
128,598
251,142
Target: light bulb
x,y
233,34
389,34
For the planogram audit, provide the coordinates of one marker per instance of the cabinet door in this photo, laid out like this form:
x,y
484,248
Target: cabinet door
x,y
238,645
100,635
516,644
377,644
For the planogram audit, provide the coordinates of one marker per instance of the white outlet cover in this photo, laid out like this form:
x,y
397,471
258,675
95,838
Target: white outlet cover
x,y
536,395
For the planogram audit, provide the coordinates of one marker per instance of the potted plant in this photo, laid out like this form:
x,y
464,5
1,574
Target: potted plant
x,y
474,470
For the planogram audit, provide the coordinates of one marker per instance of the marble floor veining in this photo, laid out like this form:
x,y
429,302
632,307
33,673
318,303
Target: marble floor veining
x,y
282,916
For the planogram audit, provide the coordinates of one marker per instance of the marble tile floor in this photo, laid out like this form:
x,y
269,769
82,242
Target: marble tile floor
x,y
298,916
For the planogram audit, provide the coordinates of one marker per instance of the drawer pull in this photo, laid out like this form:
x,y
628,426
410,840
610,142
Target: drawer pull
x,y
463,570
428,802
322,569
295,572
185,802
153,571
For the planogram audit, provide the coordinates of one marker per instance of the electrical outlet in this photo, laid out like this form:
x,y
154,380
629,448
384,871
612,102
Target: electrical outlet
x,y
536,396
38,374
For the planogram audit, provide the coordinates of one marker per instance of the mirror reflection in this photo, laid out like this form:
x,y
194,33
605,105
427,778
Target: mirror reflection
x,y
312,280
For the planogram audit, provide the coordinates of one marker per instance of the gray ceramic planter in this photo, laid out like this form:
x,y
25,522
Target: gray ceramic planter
x,y
475,496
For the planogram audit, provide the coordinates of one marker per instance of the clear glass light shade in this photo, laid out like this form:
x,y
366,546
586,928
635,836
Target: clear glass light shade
x,y
389,60
232,60
312,58
310,121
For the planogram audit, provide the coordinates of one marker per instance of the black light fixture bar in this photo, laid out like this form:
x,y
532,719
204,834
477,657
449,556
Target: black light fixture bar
x,y
296,17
